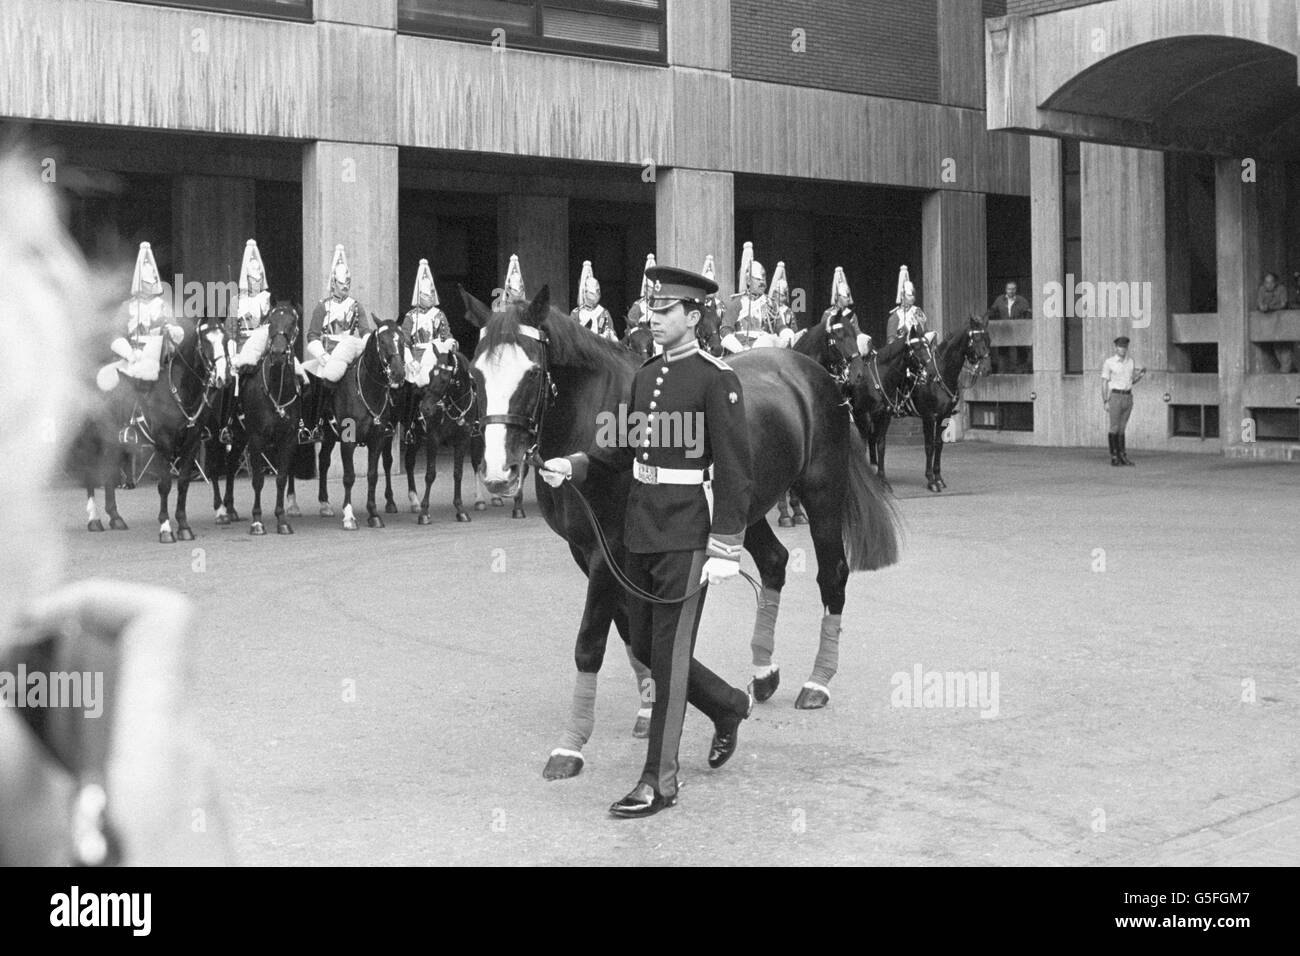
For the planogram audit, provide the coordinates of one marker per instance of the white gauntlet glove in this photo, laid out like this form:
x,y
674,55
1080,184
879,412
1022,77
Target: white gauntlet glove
x,y
717,570
555,470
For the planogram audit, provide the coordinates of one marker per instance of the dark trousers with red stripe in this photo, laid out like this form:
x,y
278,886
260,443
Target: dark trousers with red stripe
x,y
663,638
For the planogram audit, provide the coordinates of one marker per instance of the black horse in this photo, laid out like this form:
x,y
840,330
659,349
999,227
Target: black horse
x,y
547,383
269,406
833,344
365,412
912,378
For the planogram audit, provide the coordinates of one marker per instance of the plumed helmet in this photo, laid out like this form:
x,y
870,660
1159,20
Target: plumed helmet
x,y
646,285
340,274
252,274
780,287
425,294
840,294
587,283
146,281
904,285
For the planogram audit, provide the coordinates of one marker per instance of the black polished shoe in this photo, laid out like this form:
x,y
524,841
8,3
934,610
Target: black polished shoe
x,y
727,736
643,801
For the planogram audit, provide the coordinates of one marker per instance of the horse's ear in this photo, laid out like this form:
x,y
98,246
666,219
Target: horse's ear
x,y
476,313
540,306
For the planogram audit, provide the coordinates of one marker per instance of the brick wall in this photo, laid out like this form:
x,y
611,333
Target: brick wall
x,y
885,48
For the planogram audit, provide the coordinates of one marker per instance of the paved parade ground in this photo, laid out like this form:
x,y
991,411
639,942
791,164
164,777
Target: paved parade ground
x,y
390,696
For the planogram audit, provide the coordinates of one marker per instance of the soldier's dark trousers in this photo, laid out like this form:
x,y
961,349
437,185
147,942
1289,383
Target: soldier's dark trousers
x,y
663,638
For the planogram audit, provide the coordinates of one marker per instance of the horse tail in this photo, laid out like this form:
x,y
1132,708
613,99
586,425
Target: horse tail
x,y
872,527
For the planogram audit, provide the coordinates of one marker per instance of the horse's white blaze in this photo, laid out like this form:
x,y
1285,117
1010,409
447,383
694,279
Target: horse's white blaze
x,y
91,513
503,370
214,339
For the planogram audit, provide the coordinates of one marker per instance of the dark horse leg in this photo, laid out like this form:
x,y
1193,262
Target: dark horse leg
x,y
518,511
386,449
323,469
783,510
374,450
458,471
165,535
771,557
430,471
258,475
879,431
346,451
930,425
183,530
825,506
938,455
410,449
604,604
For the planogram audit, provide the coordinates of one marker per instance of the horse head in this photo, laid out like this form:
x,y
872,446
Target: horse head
x,y
390,346
842,345
513,383
640,341
709,330
282,333
447,373
977,345
210,348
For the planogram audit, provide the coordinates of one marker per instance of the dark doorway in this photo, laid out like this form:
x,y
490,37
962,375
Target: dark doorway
x,y
615,237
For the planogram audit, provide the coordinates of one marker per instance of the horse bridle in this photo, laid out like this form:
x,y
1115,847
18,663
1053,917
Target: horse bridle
x,y
386,382
208,380
840,362
452,411
281,410
546,391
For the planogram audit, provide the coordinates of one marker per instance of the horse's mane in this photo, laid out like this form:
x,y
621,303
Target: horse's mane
x,y
570,344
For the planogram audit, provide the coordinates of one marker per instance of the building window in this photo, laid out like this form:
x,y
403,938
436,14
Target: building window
x,y
279,9
1071,250
1276,424
1002,416
609,29
1194,421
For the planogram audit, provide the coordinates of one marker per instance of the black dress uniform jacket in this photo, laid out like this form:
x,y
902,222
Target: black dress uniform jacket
x,y
665,517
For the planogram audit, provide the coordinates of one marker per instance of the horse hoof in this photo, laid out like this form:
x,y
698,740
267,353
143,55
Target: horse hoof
x,y
518,513
943,484
563,766
415,509
801,518
374,521
480,506
234,515
95,525
390,508
765,687
185,534
166,537
811,698
256,528
497,503
349,524
284,528
293,511
641,729
326,511
462,517
934,486
785,522
117,524
424,519
223,520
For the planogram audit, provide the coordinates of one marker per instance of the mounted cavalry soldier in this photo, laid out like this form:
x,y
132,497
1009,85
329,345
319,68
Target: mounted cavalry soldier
x,y
147,316
785,325
906,321
842,300
684,527
247,335
590,314
714,301
426,327
751,317
638,313
335,338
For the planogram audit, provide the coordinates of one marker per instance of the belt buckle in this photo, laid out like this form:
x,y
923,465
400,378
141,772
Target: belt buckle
x,y
646,474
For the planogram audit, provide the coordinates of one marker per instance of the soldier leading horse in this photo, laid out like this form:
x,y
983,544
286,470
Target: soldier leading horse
x,y
545,383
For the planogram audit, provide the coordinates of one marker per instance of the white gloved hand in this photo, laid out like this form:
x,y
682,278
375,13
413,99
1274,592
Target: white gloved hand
x,y
176,333
732,344
555,470
717,570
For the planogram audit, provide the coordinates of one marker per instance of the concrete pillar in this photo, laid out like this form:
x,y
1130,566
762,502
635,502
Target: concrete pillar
x,y
1046,222
213,216
536,228
1123,204
349,196
954,263
695,216
1237,244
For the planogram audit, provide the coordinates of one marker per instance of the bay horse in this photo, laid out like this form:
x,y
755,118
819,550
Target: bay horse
x,y
833,343
365,410
269,406
545,383
931,393
171,414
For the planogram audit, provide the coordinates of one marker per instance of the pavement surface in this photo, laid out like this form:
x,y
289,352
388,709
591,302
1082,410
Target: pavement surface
x,y
389,696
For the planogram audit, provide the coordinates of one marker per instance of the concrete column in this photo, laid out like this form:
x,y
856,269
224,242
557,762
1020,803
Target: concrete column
x,y
536,228
213,216
349,196
1046,222
695,216
954,266
1237,235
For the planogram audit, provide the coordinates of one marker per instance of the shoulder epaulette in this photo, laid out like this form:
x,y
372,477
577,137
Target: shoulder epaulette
x,y
713,359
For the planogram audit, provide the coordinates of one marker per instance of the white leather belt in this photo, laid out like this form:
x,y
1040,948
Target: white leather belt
x,y
653,475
